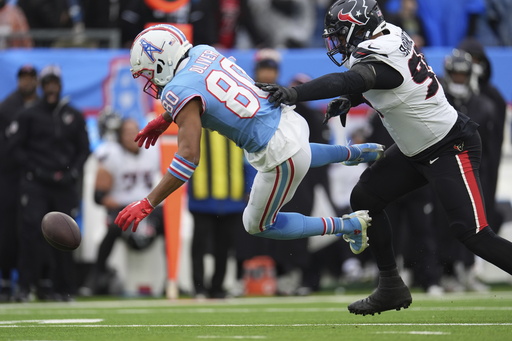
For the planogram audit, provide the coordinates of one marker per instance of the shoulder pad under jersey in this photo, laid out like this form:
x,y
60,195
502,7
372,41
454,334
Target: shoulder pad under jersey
x,y
383,46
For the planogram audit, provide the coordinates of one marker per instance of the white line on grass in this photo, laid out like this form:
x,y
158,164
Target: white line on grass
x,y
53,321
257,325
231,337
415,333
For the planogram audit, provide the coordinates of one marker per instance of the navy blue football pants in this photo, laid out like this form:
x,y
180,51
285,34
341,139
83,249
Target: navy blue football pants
x,y
453,174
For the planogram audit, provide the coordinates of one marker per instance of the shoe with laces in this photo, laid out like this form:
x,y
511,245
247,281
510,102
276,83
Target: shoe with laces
x,y
391,294
363,153
358,238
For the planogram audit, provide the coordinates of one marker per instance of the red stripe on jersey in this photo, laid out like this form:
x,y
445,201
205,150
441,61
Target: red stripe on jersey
x,y
473,190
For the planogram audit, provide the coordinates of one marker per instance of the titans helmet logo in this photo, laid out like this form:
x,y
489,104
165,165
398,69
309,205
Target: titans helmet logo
x,y
149,49
357,14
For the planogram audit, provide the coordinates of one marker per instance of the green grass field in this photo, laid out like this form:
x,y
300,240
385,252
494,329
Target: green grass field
x,y
482,317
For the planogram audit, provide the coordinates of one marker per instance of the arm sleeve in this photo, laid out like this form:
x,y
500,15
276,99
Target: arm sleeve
x,y
361,78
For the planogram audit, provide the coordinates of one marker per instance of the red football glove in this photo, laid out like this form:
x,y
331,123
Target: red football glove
x,y
133,213
152,131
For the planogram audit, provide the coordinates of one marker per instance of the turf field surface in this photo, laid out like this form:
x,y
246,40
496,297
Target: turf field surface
x,y
465,317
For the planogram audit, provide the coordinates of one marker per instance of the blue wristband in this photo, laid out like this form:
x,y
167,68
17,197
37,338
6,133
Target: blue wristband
x,y
181,168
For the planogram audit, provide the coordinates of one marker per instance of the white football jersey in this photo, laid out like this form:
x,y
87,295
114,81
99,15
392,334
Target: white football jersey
x,y
416,114
134,175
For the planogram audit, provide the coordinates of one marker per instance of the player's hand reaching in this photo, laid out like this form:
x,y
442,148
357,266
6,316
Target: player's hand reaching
x,y
279,94
133,213
365,152
152,131
338,107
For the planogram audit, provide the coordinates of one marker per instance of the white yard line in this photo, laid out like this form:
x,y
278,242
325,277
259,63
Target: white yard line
x,y
256,325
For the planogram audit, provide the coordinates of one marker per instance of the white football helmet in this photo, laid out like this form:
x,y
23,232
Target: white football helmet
x,y
155,55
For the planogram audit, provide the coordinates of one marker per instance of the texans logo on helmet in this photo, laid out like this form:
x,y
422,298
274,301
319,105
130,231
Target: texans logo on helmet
x,y
149,49
355,13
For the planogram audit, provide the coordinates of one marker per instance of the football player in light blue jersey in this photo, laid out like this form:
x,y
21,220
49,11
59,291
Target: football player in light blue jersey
x,y
199,87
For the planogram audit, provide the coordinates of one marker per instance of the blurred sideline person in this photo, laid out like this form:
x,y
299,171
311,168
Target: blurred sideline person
x,y
200,88
434,144
217,196
410,20
22,97
125,172
51,145
458,262
481,73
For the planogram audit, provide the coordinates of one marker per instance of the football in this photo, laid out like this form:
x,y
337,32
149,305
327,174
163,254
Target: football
x,y
61,231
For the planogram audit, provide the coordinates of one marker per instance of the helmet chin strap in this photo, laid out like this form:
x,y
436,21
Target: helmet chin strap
x,y
349,34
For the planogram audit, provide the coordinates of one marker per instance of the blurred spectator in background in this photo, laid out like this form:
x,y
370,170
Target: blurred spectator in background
x,y
135,14
46,13
495,27
267,63
22,97
14,29
458,261
217,195
481,73
115,187
50,142
446,23
284,23
220,22
410,21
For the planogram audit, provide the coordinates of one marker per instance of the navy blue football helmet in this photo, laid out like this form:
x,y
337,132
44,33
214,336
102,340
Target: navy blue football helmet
x,y
348,23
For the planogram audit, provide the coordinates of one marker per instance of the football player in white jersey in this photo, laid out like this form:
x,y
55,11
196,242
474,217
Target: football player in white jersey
x,y
434,144
199,87
125,173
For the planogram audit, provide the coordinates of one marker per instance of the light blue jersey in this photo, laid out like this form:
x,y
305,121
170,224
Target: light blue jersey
x,y
232,105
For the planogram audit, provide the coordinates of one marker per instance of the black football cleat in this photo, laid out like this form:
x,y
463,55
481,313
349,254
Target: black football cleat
x,y
391,294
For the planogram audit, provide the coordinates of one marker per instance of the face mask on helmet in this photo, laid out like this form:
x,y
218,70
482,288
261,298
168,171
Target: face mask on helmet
x,y
458,68
347,24
155,55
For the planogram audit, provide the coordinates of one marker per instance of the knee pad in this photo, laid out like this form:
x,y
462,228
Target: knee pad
x,y
362,199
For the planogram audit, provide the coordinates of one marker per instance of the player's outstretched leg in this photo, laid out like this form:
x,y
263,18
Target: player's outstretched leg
x,y
324,154
391,294
358,237
365,152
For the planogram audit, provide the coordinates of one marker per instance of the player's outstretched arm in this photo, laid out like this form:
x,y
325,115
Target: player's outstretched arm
x,y
153,130
180,170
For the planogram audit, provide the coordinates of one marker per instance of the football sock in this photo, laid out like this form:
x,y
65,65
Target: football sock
x,y
324,154
289,225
